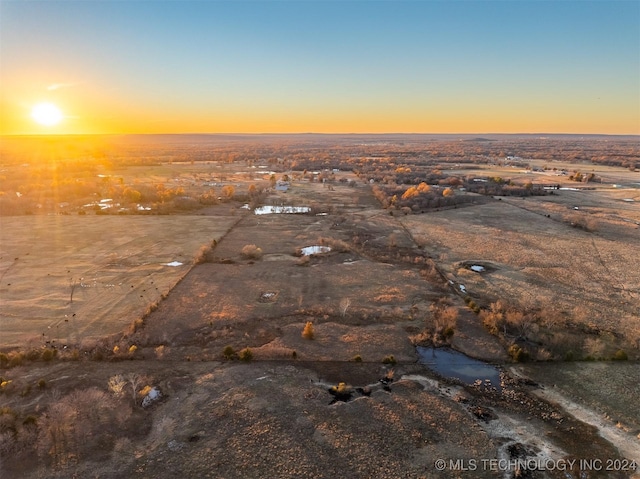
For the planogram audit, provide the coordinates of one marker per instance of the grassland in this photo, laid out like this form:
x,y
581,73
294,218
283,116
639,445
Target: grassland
x,y
370,299
75,279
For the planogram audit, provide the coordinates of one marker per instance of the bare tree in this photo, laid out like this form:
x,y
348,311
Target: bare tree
x,y
135,380
522,323
73,285
117,384
344,306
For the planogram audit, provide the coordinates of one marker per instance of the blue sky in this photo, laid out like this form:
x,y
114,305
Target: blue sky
x,y
375,66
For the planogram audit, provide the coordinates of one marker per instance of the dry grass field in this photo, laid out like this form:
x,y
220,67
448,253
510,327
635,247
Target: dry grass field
x,y
572,255
116,267
244,394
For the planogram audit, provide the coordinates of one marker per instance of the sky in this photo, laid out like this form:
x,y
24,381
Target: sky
x,y
328,66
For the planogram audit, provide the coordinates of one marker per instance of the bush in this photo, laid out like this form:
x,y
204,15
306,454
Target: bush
x,y
389,360
204,255
4,360
308,332
16,360
251,251
228,352
336,245
357,358
42,384
620,355
518,354
246,355
48,354
33,355
30,420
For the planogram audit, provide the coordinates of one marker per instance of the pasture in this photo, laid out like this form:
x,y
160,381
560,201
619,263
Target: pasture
x,y
69,279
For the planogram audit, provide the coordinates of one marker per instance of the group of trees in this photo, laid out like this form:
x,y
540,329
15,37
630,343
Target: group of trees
x,y
81,424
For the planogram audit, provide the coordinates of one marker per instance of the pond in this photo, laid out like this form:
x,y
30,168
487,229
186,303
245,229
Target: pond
x,y
173,263
453,364
270,210
309,250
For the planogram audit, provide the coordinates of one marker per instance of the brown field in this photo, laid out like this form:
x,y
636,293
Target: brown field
x,y
116,264
540,261
368,299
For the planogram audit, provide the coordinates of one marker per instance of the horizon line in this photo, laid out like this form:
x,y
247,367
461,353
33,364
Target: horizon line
x,y
310,133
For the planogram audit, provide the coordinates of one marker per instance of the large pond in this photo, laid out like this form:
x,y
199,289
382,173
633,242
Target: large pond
x,y
275,210
453,364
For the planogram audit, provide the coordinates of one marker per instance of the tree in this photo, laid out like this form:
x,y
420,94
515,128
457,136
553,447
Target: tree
x,y
344,306
135,380
117,384
308,331
412,192
228,191
73,285
423,188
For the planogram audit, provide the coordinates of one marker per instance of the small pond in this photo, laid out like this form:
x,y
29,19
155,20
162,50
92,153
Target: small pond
x,y
309,250
275,210
453,364
477,268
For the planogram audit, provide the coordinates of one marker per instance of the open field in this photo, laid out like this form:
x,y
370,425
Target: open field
x,y
115,266
244,394
540,261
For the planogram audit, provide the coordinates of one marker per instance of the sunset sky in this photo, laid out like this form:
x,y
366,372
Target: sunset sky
x,y
327,66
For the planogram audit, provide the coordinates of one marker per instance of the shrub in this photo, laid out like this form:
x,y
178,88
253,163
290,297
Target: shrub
x,y
518,354
136,325
42,384
251,251
228,352
30,420
336,245
33,355
246,355
4,360
16,360
204,255
303,261
389,360
308,331
620,355
341,392
357,358
117,384
48,354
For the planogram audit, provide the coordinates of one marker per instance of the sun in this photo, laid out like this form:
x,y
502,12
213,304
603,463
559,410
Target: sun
x,y
46,114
